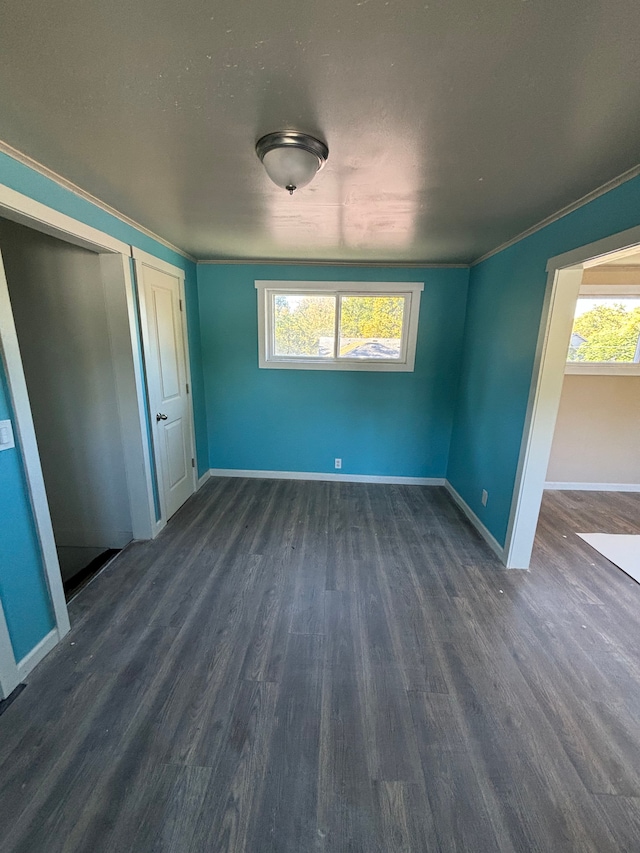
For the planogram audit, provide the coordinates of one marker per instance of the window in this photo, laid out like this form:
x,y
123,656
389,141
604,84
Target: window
x,y
606,332
322,325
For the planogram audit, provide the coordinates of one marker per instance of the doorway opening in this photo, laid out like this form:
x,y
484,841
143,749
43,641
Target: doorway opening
x,y
62,324
595,442
580,441
112,355
592,484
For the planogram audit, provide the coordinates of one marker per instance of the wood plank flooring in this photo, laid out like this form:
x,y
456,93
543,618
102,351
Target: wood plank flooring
x,y
306,667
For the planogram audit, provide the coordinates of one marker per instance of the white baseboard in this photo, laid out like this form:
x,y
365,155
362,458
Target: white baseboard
x,y
593,487
31,660
203,480
490,539
316,475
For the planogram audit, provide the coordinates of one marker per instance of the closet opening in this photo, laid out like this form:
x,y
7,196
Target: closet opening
x,y
66,338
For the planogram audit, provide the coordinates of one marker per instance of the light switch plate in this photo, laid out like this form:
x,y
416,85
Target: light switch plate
x,y
6,435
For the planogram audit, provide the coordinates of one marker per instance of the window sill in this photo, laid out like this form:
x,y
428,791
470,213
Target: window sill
x,y
602,369
384,366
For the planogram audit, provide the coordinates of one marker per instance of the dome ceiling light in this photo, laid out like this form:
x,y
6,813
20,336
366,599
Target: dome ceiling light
x,y
291,159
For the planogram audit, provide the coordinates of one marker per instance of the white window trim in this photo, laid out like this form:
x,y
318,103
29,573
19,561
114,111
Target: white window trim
x,y
602,368
410,290
605,368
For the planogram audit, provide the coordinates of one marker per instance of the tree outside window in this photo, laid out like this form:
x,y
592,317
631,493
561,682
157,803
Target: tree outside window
x,y
606,330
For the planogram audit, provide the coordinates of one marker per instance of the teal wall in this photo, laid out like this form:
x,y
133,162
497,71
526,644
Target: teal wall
x,y
506,294
394,424
23,590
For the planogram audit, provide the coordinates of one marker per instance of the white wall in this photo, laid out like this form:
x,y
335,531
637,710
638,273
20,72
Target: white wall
x,y
597,435
59,307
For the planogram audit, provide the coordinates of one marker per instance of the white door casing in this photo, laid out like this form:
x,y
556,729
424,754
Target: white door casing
x,y
9,678
161,293
563,284
10,671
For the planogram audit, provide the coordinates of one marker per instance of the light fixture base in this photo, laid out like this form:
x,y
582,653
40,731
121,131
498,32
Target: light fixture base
x,y
293,139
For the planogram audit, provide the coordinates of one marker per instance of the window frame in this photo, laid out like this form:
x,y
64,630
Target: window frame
x,y
267,291
605,368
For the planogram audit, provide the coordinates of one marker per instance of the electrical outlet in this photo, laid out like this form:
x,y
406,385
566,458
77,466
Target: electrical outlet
x,y
338,464
485,497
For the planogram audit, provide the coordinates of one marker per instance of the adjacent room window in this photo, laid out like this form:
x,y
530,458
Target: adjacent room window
x,y
337,325
606,333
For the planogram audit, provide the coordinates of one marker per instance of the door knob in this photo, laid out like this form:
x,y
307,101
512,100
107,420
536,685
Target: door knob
x,y
161,417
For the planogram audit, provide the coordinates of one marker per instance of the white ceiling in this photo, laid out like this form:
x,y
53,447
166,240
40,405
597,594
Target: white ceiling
x,y
452,125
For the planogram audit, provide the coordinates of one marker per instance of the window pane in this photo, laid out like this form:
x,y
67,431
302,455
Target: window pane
x,y
371,327
605,329
304,325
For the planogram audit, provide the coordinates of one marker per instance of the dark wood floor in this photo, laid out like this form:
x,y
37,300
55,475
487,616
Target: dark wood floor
x,y
328,667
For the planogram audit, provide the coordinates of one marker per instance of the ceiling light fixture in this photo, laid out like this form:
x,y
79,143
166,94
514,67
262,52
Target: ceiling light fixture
x,y
291,159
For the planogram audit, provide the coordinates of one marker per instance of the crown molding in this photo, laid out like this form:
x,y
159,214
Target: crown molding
x,y
15,154
564,211
307,263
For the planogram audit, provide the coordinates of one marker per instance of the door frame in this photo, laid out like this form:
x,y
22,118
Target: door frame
x,y
117,281
9,678
142,259
564,277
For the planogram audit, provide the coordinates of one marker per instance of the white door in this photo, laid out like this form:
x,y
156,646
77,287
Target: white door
x,y
167,376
